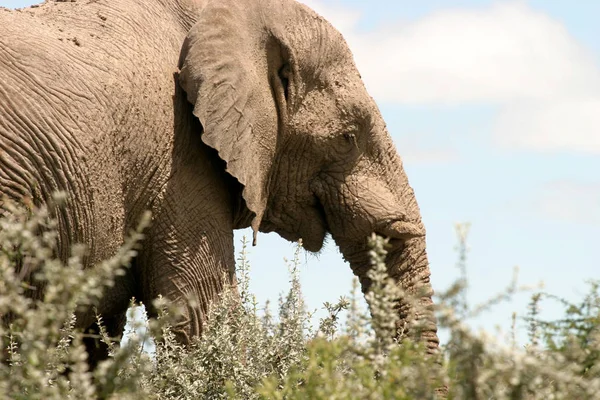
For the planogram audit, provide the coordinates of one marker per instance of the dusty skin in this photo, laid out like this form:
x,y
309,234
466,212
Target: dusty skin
x,y
215,115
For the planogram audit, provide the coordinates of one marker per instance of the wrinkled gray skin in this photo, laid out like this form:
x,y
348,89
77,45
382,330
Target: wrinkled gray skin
x,y
275,130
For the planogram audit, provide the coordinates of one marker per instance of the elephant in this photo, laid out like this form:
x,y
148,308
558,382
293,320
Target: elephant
x,y
215,115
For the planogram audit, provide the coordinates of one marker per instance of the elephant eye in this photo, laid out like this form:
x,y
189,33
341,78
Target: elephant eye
x,y
351,138
284,77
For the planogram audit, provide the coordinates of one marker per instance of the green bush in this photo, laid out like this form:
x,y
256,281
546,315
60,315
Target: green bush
x,y
245,353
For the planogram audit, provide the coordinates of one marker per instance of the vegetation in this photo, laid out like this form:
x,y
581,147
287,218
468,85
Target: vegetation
x,y
246,353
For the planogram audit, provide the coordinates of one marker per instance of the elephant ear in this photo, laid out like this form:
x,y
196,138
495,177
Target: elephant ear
x,y
225,72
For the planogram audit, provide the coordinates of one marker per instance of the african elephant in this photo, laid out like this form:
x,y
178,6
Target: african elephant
x,y
215,115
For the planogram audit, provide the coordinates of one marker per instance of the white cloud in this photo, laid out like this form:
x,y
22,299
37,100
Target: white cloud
x,y
561,124
508,54
505,52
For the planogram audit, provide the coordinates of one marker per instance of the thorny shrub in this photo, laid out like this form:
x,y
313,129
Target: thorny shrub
x,y
247,353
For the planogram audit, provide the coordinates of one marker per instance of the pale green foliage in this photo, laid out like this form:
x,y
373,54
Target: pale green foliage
x,y
45,355
363,362
479,367
238,348
380,298
247,353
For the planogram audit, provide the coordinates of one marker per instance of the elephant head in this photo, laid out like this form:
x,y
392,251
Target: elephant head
x,y
279,97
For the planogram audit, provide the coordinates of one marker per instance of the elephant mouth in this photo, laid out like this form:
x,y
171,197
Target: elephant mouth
x,y
310,225
316,244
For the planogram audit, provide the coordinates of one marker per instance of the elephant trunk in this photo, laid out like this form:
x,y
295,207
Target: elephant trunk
x,y
407,265
381,200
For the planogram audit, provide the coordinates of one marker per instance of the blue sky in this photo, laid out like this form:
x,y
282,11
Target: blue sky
x,y
494,107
